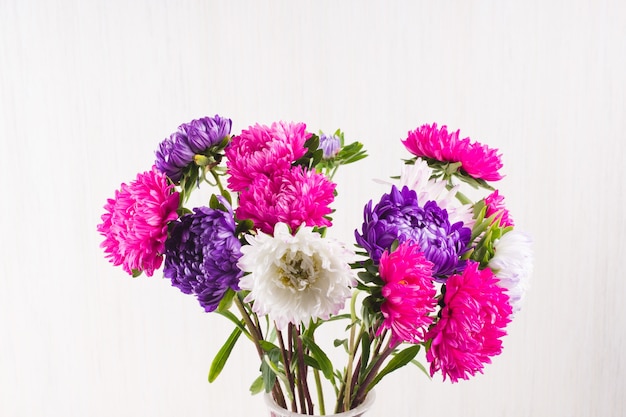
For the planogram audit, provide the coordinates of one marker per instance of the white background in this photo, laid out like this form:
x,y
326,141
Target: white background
x,y
88,90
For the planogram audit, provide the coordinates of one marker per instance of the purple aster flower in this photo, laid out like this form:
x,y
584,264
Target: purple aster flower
x,y
201,254
330,145
398,216
196,137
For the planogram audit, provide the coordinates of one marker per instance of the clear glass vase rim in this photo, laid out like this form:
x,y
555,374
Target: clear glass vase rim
x,y
363,407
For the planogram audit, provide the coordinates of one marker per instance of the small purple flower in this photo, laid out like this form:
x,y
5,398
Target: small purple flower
x,y
398,216
196,137
330,146
201,254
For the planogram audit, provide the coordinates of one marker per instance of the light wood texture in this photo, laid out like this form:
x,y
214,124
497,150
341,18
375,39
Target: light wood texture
x,y
88,89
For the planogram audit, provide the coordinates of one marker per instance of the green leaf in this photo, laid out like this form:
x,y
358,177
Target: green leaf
x,y
227,300
243,226
227,196
398,361
365,349
326,365
222,355
257,385
310,362
230,316
339,342
270,370
267,346
421,367
366,277
351,153
312,143
339,317
370,267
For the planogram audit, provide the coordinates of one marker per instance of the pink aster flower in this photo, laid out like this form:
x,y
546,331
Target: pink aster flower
x,y
476,311
294,196
495,205
263,150
477,160
409,293
135,223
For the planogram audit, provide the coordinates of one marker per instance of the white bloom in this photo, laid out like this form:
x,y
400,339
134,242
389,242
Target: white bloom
x,y
417,178
295,278
513,265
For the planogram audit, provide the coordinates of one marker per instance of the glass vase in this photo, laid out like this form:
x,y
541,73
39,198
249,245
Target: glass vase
x,y
277,411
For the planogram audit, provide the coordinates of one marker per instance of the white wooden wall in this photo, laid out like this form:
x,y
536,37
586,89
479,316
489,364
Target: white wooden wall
x,y
89,88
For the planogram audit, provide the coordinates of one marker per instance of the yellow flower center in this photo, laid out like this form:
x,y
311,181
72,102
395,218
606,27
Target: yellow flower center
x,y
298,271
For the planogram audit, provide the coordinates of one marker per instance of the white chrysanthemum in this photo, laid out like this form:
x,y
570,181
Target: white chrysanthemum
x,y
417,178
512,263
295,278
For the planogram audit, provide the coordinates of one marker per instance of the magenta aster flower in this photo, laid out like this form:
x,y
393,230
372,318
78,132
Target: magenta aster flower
x,y
476,311
477,160
294,196
136,220
263,150
409,293
495,205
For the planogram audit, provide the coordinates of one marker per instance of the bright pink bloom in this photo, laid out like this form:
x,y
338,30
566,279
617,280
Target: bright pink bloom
x,y
477,160
263,150
294,196
476,311
409,293
495,205
135,223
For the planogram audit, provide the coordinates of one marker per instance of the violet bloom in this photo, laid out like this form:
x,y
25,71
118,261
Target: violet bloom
x,y
330,146
196,137
398,216
202,253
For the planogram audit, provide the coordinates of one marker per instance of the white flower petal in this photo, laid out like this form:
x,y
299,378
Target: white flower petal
x,y
417,177
293,278
512,263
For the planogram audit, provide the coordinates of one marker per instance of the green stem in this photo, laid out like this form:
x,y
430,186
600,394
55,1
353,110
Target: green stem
x,y
363,388
299,376
257,337
352,348
287,364
320,392
218,182
333,172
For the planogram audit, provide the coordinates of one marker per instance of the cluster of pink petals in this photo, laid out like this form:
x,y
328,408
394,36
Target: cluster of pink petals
x,y
495,206
476,311
477,160
135,222
293,196
409,293
263,150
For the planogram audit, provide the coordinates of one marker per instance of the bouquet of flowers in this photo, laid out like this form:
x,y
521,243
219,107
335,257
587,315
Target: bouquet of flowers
x,y
430,268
